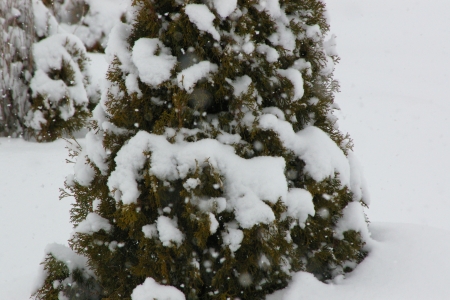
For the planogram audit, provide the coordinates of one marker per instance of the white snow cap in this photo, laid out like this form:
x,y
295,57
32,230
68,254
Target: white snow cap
x,y
71,259
35,119
232,237
118,46
272,54
358,183
247,181
319,152
283,36
330,46
225,7
45,23
153,69
98,21
214,224
240,85
50,54
203,18
150,231
353,219
168,231
272,7
96,152
151,290
93,223
297,81
84,173
189,77
299,205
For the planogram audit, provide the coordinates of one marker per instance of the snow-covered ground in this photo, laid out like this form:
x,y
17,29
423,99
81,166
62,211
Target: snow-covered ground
x,y
394,75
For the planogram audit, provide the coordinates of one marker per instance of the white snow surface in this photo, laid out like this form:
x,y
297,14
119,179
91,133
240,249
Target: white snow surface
x,y
153,69
151,290
398,119
299,205
272,54
225,7
297,81
247,181
150,231
272,7
203,18
232,237
50,54
406,262
190,76
44,22
118,47
240,85
30,175
168,231
323,158
98,21
93,223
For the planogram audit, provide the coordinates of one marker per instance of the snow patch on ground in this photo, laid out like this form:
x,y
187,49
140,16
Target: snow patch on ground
x,y
403,264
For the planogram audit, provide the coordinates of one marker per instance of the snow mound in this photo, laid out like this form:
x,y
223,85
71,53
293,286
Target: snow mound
x,y
50,54
300,205
93,223
297,81
153,69
398,267
225,7
203,18
319,152
247,181
168,231
151,290
189,77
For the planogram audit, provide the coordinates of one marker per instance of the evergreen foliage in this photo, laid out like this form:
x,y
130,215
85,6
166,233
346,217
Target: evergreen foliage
x,y
158,188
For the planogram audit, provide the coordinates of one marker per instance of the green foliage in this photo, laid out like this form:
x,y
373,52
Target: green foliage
x,y
64,116
74,284
56,127
203,265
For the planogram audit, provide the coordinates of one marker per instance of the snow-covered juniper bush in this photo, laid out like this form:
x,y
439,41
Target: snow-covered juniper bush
x,y
214,168
45,84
